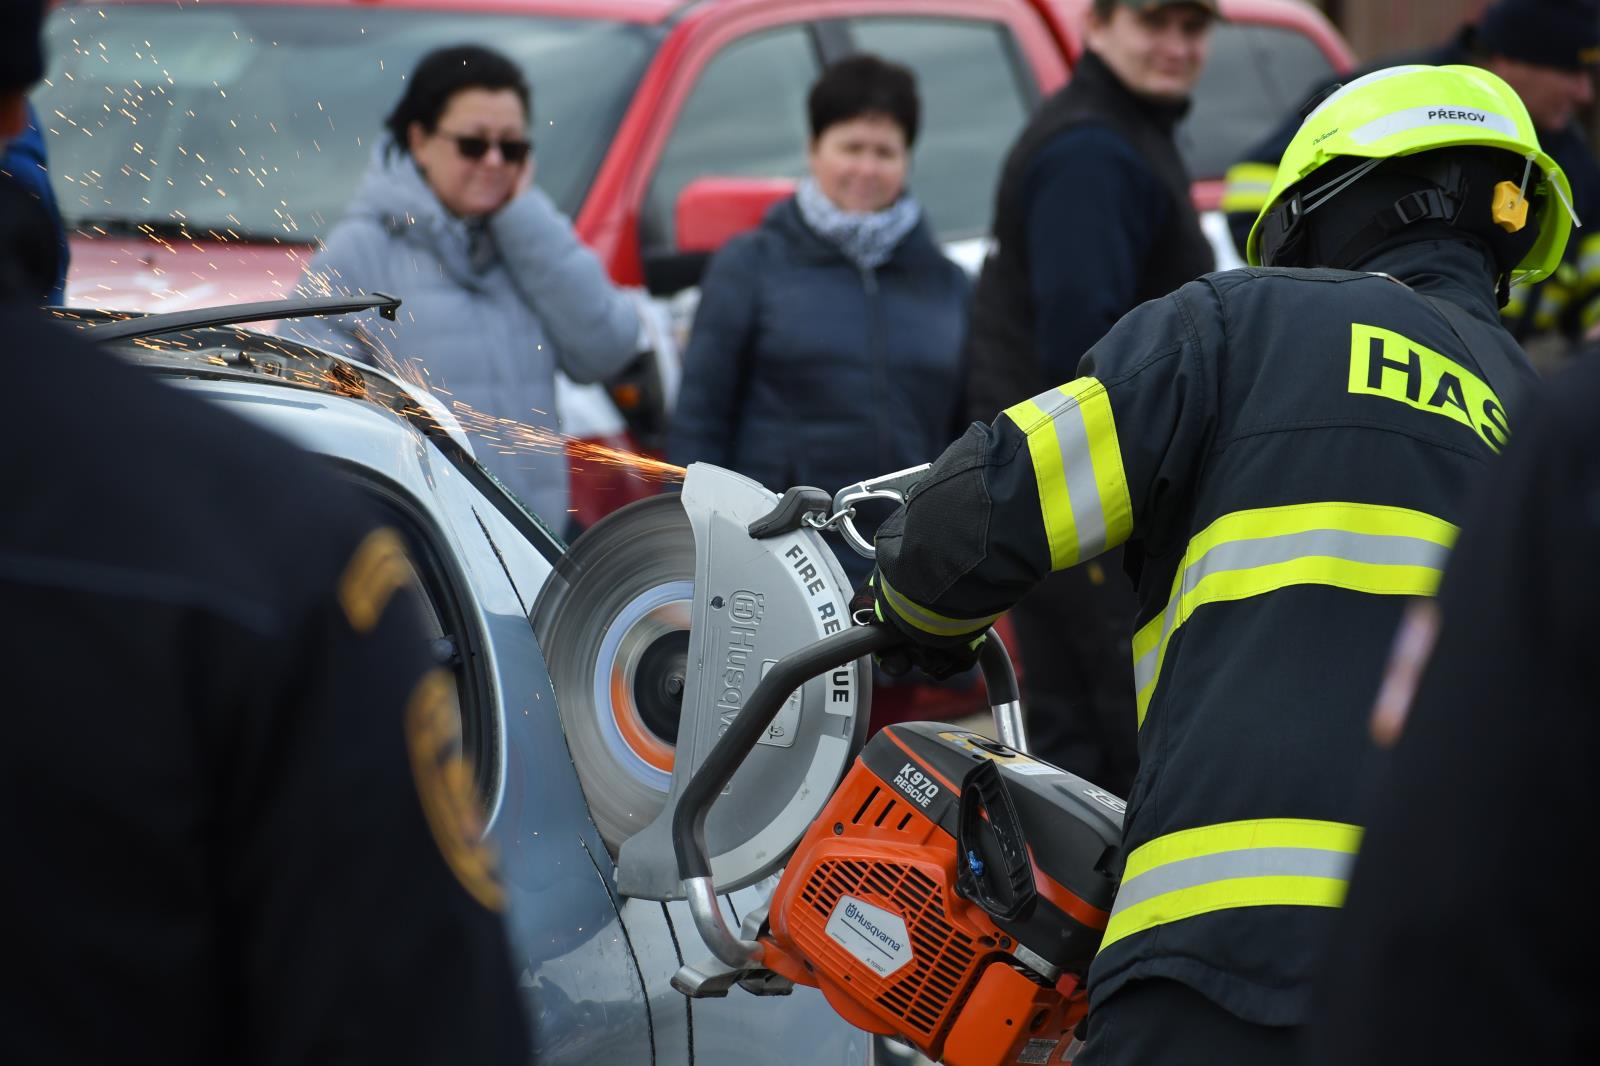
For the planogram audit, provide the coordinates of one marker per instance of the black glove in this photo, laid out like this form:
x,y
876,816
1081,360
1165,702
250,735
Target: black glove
x,y
940,661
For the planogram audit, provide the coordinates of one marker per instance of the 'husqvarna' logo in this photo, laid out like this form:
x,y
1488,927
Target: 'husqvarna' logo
x,y
744,612
875,936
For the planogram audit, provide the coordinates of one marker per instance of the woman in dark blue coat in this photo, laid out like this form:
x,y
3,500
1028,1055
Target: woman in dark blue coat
x,y
827,345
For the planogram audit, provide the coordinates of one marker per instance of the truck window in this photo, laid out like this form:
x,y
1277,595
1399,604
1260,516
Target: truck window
x,y
1255,77
975,100
746,117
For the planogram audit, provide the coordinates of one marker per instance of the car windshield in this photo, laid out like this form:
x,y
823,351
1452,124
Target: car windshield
x,y
257,121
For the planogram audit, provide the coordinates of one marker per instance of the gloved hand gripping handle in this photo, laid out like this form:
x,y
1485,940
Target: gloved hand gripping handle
x,y
787,675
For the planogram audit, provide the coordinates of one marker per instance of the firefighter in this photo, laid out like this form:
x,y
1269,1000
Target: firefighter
x,y
1547,50
1491,777
1284,450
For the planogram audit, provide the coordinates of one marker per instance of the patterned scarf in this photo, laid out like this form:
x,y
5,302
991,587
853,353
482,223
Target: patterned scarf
x,y
867,238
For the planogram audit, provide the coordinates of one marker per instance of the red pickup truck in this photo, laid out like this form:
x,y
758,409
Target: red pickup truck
x,y
199,151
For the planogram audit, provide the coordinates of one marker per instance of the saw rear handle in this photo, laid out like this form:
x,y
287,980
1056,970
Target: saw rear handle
x,y
787,675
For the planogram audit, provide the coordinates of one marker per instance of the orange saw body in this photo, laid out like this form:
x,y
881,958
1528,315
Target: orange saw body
x,y
971,945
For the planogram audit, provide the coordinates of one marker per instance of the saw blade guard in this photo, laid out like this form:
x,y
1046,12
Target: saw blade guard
x,y
658,626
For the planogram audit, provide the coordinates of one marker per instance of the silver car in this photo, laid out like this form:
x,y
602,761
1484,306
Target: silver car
x,y
594,967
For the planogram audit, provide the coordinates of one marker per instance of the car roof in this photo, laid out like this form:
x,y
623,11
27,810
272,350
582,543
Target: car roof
x,y
642,11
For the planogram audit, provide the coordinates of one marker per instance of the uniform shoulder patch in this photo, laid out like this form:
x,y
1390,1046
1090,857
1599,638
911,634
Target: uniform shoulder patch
x,y
378,569
444,785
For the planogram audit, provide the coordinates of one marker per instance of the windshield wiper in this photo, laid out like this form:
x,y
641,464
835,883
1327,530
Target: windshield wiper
x,y
236,314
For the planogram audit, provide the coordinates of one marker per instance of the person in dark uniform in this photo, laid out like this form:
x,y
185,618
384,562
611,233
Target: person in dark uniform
x,y
1092,218
1465,936
1285,452
237,824
1548,51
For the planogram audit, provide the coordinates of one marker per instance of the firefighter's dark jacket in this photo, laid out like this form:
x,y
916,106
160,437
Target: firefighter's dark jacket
x,y
1495,764
1285,454
1568,302
217,848
1092,218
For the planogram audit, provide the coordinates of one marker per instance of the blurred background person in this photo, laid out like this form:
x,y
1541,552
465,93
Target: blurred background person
x,y
233,815
498,290
41,240
1474,866
1093,217
1548,51
827,345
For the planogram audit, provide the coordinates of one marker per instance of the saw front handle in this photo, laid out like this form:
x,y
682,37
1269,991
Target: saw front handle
x,y
787,675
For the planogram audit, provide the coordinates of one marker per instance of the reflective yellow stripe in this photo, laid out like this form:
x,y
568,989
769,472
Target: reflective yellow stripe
x,y
1386,551
919,617
1517,304
1257,863
1591,312
1554,296
1077,466
1246,187
1589,261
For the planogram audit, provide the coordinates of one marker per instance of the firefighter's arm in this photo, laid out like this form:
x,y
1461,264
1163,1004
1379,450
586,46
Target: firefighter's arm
x,y
1057,479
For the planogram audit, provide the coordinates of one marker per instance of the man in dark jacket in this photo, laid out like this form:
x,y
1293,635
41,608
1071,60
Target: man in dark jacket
x,y
1285,452
1464,930
1547,50
1092,218
235,817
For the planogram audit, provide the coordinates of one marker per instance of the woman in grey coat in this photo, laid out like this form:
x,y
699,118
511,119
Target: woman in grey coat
x,y
497,291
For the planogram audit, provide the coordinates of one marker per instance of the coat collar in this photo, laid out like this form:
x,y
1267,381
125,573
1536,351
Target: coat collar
x,y
1452,268
784,220
394,194
1094,75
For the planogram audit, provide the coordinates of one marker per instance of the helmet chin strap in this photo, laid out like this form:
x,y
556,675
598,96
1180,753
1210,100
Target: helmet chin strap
x,y
1373,210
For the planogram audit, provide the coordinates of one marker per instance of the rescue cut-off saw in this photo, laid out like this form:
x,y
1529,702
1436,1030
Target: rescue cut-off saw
x,y
938,885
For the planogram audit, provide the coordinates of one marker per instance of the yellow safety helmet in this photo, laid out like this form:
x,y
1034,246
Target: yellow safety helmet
x,y
1402,111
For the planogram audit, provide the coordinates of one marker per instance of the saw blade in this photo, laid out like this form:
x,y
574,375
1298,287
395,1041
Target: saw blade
x,y
613,622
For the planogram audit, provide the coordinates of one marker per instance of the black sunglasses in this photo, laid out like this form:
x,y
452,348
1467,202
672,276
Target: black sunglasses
x,y
472,147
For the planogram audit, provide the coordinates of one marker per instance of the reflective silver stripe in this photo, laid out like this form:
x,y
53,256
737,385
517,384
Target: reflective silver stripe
x,y
1077,467
1379,549
1439,115
1229,865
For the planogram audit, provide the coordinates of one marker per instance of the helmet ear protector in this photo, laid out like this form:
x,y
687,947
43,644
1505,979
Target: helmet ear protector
x,y
1481,191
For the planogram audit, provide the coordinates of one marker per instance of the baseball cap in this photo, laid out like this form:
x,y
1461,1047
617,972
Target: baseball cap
x,y
1151,5
1547,33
